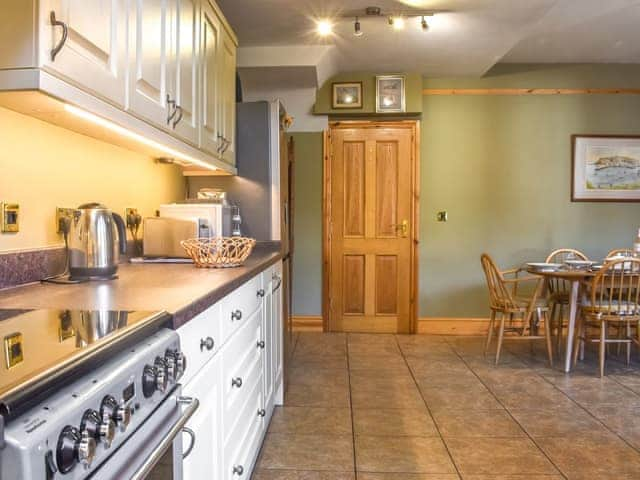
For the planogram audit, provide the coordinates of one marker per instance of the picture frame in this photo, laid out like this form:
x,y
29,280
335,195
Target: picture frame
x,y
605,168
346,95
390,94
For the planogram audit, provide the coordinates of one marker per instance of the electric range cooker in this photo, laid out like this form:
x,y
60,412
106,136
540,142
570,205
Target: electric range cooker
x,y
90,394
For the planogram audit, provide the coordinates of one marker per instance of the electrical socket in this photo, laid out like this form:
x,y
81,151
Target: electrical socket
x,y
62,213
127,213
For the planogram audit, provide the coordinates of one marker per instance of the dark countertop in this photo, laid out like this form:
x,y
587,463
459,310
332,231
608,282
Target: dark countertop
x,y
182,290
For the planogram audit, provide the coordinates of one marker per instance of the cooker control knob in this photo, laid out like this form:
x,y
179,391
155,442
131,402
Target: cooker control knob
x,y
179,359
149,374
66,450
108,409
86,449
123,416
162,377
97,428
170,360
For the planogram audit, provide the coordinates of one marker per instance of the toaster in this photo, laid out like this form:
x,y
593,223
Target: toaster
x,y
162,235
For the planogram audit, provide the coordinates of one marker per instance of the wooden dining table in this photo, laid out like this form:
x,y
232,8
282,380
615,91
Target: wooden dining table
x,y
577,278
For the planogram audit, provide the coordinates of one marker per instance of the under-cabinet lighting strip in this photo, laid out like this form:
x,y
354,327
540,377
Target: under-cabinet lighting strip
x,y
135,136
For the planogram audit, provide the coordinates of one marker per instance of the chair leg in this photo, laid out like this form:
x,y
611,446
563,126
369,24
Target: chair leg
x,y
500,338
603,346
578,341
492,322
628,338
547,337
558,324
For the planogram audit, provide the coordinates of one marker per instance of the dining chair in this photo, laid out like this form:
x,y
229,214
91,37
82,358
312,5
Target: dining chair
x,y
614,301
620,252
505,300
559,291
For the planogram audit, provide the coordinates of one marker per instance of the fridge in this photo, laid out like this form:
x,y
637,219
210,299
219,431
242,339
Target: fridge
x,y
263,188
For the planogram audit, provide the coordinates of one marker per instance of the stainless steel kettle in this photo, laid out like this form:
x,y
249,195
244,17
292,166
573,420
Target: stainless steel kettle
x,y
96,238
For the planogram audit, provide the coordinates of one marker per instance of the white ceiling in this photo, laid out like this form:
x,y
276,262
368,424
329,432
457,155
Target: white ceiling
x,y
467,39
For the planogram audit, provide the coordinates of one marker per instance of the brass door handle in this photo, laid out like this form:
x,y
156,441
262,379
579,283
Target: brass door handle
x,y
402,227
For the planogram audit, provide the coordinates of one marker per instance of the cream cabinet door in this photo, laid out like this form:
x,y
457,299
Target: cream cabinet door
x,y
149,61
205,459
210,136
92,53
184,82
228,97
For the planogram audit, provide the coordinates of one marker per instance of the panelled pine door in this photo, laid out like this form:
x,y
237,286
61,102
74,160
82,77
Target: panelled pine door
x,y
371,228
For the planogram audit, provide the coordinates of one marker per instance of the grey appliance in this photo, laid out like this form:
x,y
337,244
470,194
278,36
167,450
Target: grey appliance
x,y
96,237
108,407
263,188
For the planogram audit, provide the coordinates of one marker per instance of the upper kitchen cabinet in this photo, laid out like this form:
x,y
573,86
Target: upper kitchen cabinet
x,y
83,41
158,74
228,97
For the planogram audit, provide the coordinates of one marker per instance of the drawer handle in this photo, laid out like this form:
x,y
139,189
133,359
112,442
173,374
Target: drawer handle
x,y
260,344
236,315
236,382
238,470
262,412
207,343
261,293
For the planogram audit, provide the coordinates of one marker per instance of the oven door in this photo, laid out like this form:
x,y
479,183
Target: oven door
x,y
155,451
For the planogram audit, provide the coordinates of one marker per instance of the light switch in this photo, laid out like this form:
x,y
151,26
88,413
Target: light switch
x,y
442,216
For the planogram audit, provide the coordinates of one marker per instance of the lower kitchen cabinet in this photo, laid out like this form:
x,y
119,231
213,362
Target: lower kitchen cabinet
x,y
238,381
204,428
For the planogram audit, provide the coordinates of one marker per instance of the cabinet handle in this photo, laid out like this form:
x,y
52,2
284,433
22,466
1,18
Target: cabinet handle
x,y
261,293
192,444
65,32
238,470
171,105
236,382
236,315
260,344
225,145
177,120
262,412
220,145
279,279
207,343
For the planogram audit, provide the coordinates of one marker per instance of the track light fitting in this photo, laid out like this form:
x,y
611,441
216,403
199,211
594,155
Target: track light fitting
x,y
396,19
357,31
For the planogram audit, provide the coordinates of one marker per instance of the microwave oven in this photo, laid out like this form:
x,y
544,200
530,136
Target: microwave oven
x,y
214,219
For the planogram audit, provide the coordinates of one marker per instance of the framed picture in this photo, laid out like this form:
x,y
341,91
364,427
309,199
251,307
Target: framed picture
x,y
605,168
390,94
347,95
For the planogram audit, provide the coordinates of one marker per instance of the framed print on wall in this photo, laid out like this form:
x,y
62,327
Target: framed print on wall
x,y
390,94
605,168
347,95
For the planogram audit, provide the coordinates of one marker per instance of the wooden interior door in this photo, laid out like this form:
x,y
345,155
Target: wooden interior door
x,y
371,228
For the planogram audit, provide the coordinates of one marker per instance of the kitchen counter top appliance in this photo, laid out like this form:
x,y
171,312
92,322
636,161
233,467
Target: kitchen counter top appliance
x,y
91,394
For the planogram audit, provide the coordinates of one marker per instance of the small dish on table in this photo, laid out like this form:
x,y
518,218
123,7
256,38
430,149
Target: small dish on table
x,y
544,267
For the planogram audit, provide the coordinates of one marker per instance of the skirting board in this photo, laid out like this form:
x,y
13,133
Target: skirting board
x,y
428,325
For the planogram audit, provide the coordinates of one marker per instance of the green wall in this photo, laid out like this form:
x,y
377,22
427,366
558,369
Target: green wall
x,y
500,166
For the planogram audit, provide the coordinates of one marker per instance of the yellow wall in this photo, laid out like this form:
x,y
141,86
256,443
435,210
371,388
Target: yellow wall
x,y
43,166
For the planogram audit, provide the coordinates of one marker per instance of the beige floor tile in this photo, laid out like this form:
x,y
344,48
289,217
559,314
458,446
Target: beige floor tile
x,y
476,423
459,397
393,422
394,363
504,456
300,475
307,452
532,394
598,392
316,344
512,477
402,454
318,376
596,455
383,349
317,395
336,362
372,338
426,350
622,420
557,423
309,420
407,476
387,395
444,379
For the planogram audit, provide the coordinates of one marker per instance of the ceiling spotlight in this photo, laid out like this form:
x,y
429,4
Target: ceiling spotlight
x,y
425,25
397,23
324,28
357,31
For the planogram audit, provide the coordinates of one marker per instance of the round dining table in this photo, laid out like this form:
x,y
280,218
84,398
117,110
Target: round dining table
x,y
576,277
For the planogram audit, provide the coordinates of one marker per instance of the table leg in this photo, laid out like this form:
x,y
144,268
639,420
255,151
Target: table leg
x,y
573,313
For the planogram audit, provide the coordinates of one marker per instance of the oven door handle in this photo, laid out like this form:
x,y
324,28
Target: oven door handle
x,y
158,452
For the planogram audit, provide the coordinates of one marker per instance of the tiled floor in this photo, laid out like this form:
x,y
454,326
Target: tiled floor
x,y
393,407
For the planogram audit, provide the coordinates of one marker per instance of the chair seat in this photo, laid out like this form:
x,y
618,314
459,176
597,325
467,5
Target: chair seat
x,y
524,302
621,308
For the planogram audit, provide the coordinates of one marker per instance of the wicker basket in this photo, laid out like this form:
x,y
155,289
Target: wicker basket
x,y
223,252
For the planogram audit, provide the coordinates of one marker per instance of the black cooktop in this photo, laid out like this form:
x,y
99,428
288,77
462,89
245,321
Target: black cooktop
x,y
42,347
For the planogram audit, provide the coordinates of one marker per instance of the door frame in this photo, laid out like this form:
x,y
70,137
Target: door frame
x,y
327,158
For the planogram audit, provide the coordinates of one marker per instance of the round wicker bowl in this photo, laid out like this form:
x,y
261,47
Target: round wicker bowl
x,y
223,252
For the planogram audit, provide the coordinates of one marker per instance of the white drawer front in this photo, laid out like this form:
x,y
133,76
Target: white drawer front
x,y
196,338
237,307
